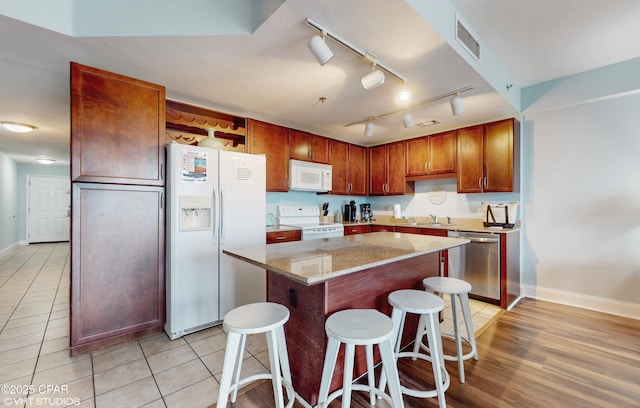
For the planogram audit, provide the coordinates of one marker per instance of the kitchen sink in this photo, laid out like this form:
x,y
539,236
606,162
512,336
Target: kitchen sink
x,y
433,224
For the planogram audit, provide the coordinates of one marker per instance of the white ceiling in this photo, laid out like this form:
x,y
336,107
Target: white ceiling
x,y
270,75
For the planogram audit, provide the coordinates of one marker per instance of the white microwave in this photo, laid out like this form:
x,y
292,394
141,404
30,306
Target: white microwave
x,y
308,176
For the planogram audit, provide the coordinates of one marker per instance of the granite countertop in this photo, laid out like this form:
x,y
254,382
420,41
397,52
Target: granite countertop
x,y
457,224
314,261
277,228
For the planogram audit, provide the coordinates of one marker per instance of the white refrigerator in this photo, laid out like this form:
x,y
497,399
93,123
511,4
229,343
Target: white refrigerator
x,y
215,199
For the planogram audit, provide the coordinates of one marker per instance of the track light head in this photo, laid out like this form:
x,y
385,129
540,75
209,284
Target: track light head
x,y
457,107
368,129
372,80
407,120
320,49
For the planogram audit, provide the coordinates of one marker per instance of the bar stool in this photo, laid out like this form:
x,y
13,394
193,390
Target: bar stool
x,y
456,288
254,318
359,327
428,306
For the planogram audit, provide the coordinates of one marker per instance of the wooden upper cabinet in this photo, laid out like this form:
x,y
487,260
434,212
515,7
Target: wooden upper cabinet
x,y
499,156
487,157
117,128
431,156
349,165
308,147
272,141
358,170
386,170
470,159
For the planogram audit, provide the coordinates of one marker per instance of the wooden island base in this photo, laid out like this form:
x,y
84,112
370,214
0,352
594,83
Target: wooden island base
x,y
310,305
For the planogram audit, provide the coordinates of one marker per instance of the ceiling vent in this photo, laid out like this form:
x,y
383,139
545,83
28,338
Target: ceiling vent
x,y
468,40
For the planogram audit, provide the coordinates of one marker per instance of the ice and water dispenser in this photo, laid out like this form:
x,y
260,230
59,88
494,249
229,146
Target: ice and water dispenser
x,y
195,213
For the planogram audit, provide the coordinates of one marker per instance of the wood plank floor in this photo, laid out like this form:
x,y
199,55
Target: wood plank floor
x,y
539,354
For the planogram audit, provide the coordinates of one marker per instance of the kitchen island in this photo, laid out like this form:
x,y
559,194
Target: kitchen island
x,y
319,277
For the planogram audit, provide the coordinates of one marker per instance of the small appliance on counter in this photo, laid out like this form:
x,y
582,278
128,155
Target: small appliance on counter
x,y
365,212
349,214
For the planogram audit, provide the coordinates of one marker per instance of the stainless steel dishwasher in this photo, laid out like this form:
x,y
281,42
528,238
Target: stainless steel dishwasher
x,y
478,263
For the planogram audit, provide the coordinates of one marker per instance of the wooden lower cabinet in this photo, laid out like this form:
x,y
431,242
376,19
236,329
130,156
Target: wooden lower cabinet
x,y
275,237
117,265
356,229
387,228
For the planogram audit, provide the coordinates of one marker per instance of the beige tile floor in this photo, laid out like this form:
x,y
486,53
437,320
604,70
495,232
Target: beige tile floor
x,y
36,369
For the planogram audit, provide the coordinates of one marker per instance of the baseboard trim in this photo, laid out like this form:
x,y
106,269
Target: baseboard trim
x,y
10,247
597,304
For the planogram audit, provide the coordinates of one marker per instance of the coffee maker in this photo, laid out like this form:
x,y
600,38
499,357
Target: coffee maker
x,y
350,212
365,212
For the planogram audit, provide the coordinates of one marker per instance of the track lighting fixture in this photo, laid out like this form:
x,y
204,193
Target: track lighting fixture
x,y
407,120
365,55
368,128
457,108
373,79
320,49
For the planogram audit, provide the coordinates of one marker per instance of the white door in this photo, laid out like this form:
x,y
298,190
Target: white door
x,y
48,208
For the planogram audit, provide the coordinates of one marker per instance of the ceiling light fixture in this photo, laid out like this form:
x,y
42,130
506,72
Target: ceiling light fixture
x,y
457,107
44,160
428,123
18,127
373,79
368,128
404,96
320,49
351,47
422,102
407,120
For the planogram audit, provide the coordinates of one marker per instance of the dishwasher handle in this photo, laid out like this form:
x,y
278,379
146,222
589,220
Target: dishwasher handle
x,y
477,237
482,240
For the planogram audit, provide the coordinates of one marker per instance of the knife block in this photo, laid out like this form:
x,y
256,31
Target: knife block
x,y
326,219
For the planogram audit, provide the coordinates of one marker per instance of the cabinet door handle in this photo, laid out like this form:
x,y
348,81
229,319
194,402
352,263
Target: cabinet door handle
x,y
484,183
426,166
280,238
480,183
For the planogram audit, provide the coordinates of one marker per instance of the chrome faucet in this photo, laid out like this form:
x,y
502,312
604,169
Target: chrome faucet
x,y
435,218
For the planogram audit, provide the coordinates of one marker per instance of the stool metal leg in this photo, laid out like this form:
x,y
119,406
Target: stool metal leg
x,y
238,368
391,370
457,336
371,380
397,316
466,311
347,376
330,358
274,364
284,355
437,359
229,367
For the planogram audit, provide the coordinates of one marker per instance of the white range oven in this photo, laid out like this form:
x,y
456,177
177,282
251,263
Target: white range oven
x,y
307,218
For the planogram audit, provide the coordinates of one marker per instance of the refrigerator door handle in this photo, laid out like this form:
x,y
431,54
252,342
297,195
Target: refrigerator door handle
x,y
214,213
221,211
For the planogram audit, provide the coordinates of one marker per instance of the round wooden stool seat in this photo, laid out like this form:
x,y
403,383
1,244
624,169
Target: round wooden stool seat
x,y
359,327
458,290
255,318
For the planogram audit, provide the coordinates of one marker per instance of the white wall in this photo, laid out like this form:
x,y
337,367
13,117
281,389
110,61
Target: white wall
x,y
8,202
581,202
